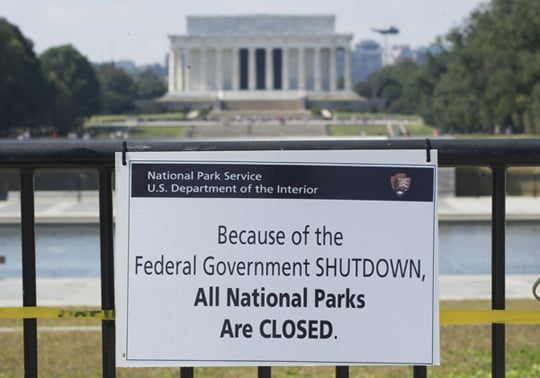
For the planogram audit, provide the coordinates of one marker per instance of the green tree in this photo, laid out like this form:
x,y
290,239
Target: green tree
x,y
21,85
486,77
390,84
420,85
73,87
149,85
119,89
493,69
363,89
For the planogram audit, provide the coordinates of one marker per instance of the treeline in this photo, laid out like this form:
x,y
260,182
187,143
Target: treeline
x,y
485,78
57,90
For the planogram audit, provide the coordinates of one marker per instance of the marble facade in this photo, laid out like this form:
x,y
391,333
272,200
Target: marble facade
x,y
260,53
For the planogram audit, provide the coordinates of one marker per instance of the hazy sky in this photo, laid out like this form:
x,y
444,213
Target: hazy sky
x,y
137,30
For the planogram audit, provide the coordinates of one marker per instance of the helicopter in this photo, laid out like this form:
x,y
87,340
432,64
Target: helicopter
x,y
391,30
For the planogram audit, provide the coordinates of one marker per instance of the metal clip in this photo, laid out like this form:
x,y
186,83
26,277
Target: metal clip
x,y
428,150
535,289
124,150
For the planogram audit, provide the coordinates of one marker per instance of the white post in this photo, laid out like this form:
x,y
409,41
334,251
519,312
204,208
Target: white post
x,y
301,69
285,80
269,69
252,69
333,68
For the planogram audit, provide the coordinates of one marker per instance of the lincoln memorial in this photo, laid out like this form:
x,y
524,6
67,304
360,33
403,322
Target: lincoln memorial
x,y
260,57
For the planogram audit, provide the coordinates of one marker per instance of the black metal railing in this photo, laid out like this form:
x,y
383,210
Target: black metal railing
x,y
29,156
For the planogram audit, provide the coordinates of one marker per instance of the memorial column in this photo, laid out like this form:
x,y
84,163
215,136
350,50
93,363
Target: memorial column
x,y
202,73
179,81
347,79
219,69
333,68
172,71
251,68
285,68
301,69
317,63
187,71
269,69
235,71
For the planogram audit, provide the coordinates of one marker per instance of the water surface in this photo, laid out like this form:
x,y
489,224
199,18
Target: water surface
x,y
70,250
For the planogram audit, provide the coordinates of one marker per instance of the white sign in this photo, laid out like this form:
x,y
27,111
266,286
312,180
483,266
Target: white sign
x,y
276,258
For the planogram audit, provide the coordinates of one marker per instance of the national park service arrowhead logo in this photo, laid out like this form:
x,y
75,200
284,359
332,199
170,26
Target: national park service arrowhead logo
x,y
400,183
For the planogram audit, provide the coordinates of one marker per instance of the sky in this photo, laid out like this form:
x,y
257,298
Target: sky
x,y
137,30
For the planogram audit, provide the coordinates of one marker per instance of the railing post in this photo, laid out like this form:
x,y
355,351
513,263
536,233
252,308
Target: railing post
x,y
186,372
420,371
342,372
29,270
107,270
264,371
498,271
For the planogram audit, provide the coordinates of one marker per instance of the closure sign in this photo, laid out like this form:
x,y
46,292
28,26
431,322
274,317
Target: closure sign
x,y
276,258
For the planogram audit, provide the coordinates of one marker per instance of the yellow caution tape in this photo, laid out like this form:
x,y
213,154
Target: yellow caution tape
x,y
51,312
489,316
446,316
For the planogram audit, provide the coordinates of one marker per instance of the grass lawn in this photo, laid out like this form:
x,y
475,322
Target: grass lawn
x,y
368,114
414,129
123,117
154,132
420,130
357,130
108,118
157,132
465,352
492,136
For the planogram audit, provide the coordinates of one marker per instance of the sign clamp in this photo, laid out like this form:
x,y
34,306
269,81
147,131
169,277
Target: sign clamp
x,y
124,150
428,150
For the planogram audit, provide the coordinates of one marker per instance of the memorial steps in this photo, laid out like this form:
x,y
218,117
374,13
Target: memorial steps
x,y
274,114
259,130
258,106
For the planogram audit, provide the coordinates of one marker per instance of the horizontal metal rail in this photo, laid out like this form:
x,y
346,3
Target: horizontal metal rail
x,y
97,154
27,156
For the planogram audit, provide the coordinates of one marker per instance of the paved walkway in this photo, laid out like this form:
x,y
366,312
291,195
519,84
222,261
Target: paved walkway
x,y
87,292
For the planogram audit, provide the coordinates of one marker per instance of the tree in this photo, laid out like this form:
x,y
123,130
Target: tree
x,y
390,84
149,85
119,89
485,78
363,89
73,85
493,69
21,84
417,93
